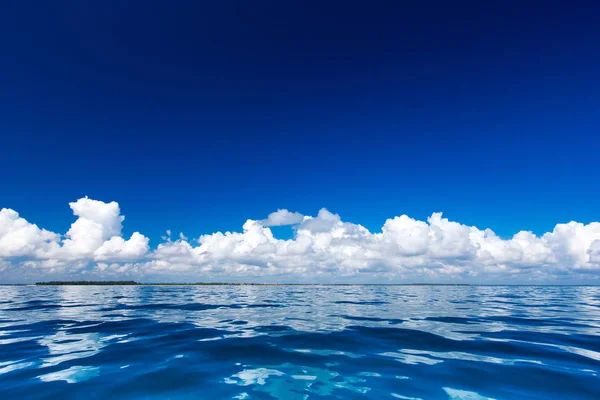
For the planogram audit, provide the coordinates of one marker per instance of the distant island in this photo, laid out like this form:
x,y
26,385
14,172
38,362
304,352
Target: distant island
x,y
134,283
59,283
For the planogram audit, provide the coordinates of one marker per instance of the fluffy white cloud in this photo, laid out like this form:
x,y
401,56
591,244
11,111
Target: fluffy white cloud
x,y
324,249
594,252
19,238
282,217
96,234
119,249
97,223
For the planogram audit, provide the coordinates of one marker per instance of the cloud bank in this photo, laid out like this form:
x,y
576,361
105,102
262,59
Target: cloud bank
x,y
324,249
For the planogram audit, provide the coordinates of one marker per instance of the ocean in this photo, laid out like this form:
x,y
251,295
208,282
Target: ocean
x,y
299,342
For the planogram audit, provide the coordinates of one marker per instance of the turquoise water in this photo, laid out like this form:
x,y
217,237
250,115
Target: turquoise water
x,y
299,342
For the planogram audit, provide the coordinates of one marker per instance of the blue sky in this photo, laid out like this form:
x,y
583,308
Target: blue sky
x,y
196,116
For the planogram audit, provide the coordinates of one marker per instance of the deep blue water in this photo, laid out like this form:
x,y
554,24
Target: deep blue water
x,y
299,342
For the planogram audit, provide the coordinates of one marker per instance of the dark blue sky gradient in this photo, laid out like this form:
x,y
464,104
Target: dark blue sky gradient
x,y
195,116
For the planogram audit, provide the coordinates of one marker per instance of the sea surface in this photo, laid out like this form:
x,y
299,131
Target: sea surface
x,y
299,342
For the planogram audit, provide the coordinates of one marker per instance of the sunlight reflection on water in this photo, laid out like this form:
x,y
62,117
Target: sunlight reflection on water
x,y
406,342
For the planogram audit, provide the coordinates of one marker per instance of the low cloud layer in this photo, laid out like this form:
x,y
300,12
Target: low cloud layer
x,y
324,249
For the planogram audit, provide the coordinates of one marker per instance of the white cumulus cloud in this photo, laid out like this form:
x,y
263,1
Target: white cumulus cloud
x,y
19,238
324,249
282,217
95,235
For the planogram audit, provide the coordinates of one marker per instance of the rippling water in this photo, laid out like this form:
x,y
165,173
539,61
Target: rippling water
x,y
300,342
